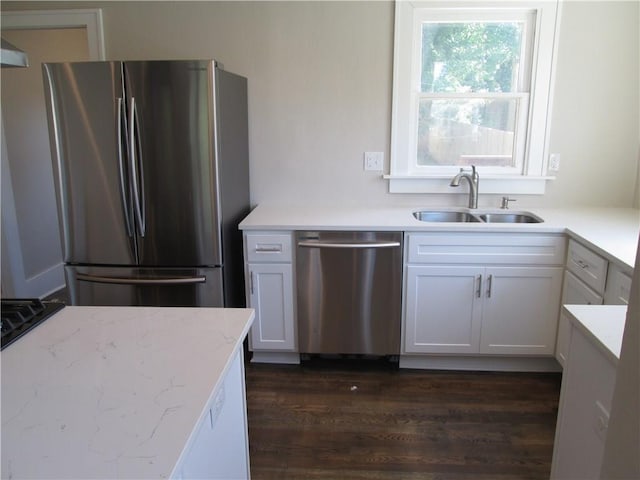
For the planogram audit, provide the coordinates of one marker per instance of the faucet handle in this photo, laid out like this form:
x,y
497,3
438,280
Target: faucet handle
x,y
505,202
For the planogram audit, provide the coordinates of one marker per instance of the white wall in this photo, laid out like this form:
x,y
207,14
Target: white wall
x,y
320,77
595,120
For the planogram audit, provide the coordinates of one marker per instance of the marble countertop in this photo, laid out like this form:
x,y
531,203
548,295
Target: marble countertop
x,y
112,392
603,325
611,232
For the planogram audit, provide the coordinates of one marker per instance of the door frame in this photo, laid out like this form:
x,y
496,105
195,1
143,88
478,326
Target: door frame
x,y
14,281
91,19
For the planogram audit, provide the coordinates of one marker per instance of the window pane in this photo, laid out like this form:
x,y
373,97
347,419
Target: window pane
x,y
471,56
478,131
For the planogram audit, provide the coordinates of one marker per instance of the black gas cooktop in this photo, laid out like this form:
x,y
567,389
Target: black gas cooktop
x,y
20,315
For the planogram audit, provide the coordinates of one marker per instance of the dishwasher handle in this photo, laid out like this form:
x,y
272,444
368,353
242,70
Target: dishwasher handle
x,y
310,244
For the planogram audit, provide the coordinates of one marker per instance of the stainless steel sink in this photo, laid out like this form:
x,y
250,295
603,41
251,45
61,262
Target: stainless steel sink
x,y
464,216
445,216
510,218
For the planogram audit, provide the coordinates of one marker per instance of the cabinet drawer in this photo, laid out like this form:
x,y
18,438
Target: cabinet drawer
x,y
587,266
268,247
576,292
485,248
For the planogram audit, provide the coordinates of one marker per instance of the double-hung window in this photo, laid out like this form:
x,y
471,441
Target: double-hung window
x,y
472,86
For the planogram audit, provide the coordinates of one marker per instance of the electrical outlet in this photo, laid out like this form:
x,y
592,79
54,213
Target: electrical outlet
x,y
600,421
554,162
373,161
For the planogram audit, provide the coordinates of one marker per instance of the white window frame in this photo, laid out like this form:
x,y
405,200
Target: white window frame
x,y
530,178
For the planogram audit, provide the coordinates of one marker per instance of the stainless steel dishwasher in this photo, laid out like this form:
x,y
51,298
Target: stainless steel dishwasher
x,y
349,288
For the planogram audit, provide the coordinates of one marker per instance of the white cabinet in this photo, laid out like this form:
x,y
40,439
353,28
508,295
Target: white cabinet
x,y
594,280
470,309
473,297
220,449
589,279
443,310
271,294
586,394
588,266
269,275
521,310
575,292
618,289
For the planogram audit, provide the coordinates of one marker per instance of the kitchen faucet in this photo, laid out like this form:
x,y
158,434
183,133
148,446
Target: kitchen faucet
x,y
473,179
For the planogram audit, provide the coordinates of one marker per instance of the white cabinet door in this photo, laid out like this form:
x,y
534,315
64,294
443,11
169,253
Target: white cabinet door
x,y
271,295
498,310
443,309
520,310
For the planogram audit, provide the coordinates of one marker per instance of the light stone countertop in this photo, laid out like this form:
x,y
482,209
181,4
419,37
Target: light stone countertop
x,y
611,232
113,392
603,325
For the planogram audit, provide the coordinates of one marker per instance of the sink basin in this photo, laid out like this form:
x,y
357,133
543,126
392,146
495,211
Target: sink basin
x,y
464,216
445,216
510,218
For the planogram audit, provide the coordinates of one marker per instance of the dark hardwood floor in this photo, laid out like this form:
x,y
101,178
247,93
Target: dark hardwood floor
x,y
337,420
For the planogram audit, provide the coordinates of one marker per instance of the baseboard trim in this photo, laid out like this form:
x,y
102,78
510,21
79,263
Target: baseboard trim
x,y
478,363
290,358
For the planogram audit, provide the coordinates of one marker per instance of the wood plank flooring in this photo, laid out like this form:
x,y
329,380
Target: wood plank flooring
x,y
366,420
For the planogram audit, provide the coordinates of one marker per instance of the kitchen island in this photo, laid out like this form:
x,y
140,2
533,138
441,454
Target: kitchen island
x,y
588,383
127,392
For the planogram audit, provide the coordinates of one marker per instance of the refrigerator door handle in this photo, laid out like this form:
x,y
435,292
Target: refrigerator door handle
x,y
137,174
123,195
179,280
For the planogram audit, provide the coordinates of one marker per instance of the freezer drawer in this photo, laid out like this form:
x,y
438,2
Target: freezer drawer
x,y
159,287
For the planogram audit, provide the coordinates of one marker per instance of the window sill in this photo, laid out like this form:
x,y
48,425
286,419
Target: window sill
x,y
488,184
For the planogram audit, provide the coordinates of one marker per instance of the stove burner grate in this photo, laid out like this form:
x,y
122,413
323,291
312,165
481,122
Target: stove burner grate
x,y
23,314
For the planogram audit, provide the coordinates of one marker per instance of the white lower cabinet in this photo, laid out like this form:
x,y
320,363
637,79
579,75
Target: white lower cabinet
x,y
618,288
475,309
574,292
269,287
443,311
585,403
584,283
220,449
271,295
520,310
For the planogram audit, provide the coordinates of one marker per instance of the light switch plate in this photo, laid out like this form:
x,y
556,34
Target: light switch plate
x,y
373,161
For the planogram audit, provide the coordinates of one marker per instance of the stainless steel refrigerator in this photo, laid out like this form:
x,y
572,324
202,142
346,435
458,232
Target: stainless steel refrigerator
x,y
152,178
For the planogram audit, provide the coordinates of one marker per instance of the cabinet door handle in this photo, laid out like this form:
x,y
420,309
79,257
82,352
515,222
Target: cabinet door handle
x,y
489,284
479,290
582,264
251,282
268,249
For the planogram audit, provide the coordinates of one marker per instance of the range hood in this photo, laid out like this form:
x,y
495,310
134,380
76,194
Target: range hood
x,y
12,56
